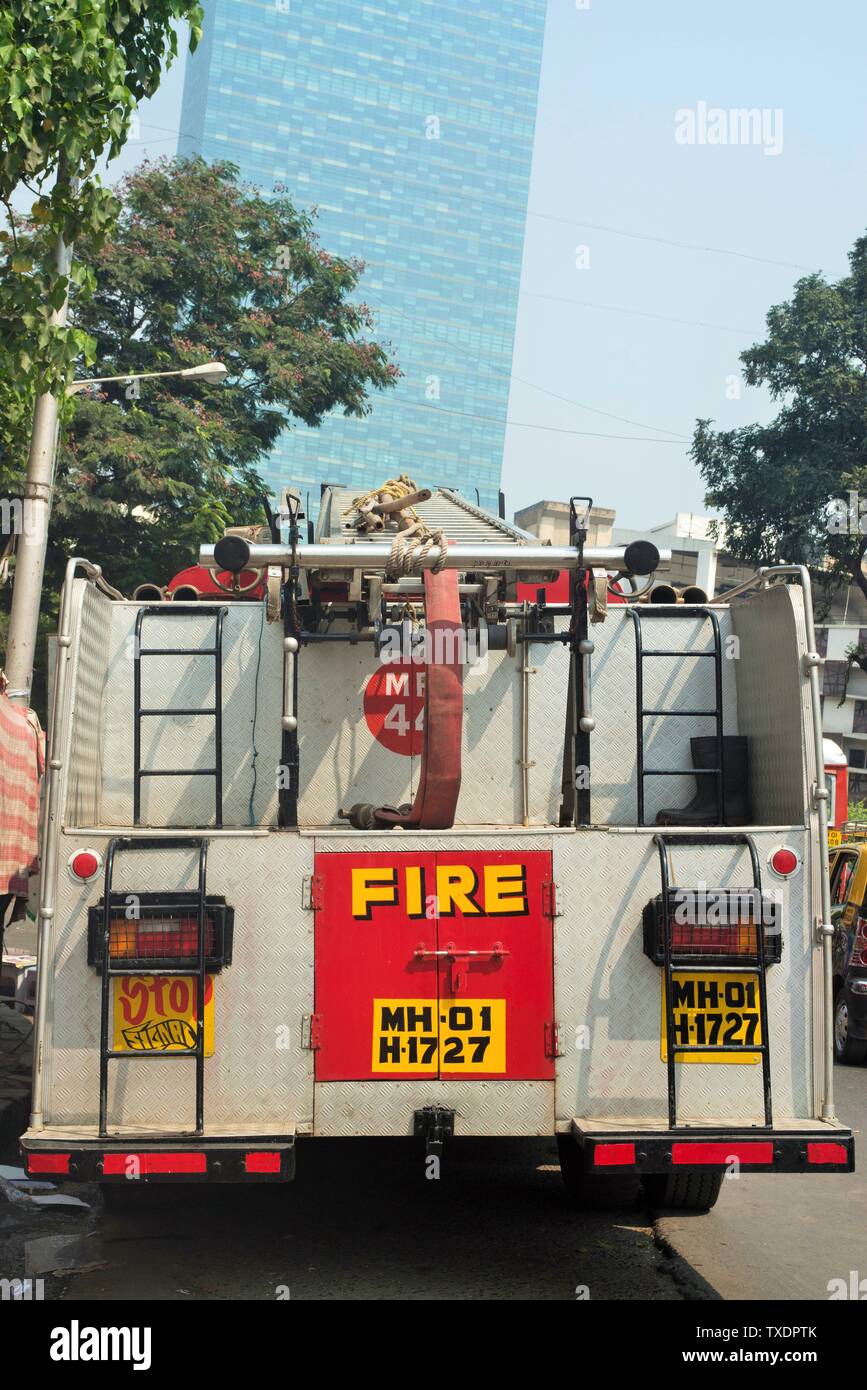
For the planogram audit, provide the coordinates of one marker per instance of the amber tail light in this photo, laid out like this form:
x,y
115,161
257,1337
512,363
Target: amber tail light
x,y
159,929
715,924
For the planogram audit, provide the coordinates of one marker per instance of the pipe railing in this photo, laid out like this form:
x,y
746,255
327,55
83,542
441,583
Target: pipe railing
x,y
377,555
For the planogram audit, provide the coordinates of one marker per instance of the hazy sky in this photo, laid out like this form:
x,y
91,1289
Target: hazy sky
x,y
648,331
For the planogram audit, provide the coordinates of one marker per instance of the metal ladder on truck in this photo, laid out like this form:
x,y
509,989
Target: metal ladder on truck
x,y
755,963
107,1053
215,712
641,655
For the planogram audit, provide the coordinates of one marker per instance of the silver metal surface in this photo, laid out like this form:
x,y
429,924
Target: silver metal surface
x,y
376,555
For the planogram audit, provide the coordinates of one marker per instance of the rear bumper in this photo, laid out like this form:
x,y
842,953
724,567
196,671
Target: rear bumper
x,y
686,1150
185,1159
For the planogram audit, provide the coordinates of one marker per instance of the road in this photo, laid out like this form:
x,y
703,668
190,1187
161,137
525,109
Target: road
x,y
361,1221
785,1237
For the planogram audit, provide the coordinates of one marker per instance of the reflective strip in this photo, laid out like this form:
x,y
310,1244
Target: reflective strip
x,y
610,1155
131,1165
262,1163
827,1153
722,1153
48,1163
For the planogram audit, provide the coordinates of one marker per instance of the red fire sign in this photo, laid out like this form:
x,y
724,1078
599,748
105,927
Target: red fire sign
x,y
394,706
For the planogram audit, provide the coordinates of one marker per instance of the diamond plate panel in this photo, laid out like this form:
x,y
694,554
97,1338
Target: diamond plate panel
x,y
252,680
260,1073
773,693
604,983
685,682
369,1108
93,623
341,761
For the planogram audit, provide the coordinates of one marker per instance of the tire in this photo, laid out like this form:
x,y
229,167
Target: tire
x,y
593,1191
682,1191
848,1050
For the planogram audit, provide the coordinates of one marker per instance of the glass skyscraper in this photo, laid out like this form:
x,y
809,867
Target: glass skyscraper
x,y
409,124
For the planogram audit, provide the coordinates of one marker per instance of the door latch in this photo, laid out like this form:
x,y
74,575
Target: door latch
x,y
460,960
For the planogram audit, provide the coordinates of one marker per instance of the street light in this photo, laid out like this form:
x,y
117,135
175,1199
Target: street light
x,y
30,562
211,373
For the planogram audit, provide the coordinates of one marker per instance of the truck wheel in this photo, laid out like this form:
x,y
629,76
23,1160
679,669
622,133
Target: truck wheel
x,y
848,1050
593,1190
682,1191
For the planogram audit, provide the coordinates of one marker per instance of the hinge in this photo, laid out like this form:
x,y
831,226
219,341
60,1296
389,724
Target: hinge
x,y
553,1039
552,899
312,893
311,1032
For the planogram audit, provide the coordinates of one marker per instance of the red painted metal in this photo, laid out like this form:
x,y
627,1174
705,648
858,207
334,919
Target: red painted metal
x,y
383,918
202,579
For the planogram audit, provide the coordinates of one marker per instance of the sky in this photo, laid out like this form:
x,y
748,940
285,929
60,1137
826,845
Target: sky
x,y
622,332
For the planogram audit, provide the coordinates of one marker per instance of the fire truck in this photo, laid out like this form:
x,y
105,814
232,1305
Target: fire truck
x,y
370,828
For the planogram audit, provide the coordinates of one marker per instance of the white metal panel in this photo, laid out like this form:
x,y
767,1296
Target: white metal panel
x,y
260,1074
252,676
605,984
90,648
346,1108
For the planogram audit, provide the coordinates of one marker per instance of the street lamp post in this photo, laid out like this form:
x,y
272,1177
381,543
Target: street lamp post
x,y
33,540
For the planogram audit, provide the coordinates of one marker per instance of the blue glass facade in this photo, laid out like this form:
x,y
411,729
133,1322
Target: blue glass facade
x,y
409,124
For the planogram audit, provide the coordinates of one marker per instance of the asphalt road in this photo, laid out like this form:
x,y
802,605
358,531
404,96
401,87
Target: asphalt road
x,y
785,1237
361,1221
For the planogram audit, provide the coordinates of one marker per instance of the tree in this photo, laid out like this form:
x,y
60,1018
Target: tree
x,y
784,488
71,74
199,268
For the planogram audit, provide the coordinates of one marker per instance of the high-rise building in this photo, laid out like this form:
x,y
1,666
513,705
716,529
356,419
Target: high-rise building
x,y
409,125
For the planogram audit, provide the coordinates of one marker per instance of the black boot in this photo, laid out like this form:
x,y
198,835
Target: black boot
x,y
703,810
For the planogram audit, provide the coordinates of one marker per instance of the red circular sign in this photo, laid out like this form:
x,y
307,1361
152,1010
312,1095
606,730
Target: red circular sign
x,y
394,706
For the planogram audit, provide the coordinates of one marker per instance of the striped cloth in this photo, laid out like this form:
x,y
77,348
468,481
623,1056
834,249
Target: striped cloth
x,y
22,762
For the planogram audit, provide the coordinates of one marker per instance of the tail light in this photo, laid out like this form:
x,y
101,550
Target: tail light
x,y
161,930
720,924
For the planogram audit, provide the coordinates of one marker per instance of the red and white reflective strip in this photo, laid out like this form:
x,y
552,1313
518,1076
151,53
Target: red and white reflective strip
x,y
84,864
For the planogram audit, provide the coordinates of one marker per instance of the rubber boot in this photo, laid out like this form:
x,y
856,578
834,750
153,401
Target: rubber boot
x,y
702,810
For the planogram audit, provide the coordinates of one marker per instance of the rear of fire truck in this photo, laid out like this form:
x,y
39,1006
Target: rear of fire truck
x,y
372,831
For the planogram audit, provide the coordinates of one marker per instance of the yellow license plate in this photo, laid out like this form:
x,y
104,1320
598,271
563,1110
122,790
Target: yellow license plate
x,y
157,1013
426,1035
714,1007
835,837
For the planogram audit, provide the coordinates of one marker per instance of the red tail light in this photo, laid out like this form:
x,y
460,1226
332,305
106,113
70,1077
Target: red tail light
x,y
166,938
714,924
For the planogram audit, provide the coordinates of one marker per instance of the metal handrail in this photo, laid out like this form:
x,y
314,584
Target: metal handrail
x,y
49,842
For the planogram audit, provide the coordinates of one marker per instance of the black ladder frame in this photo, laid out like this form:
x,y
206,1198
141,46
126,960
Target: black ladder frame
x,y
757,963
109,973
218,612
641,654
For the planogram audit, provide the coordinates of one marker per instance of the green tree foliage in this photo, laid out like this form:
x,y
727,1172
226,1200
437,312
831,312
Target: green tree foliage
x,y
71,73
201,268
783,488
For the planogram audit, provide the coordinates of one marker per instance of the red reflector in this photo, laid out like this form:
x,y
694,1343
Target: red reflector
x,y
784,862
48,1163
610,1155
722,1153
126,1165
262,1163
84,864
827,1153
